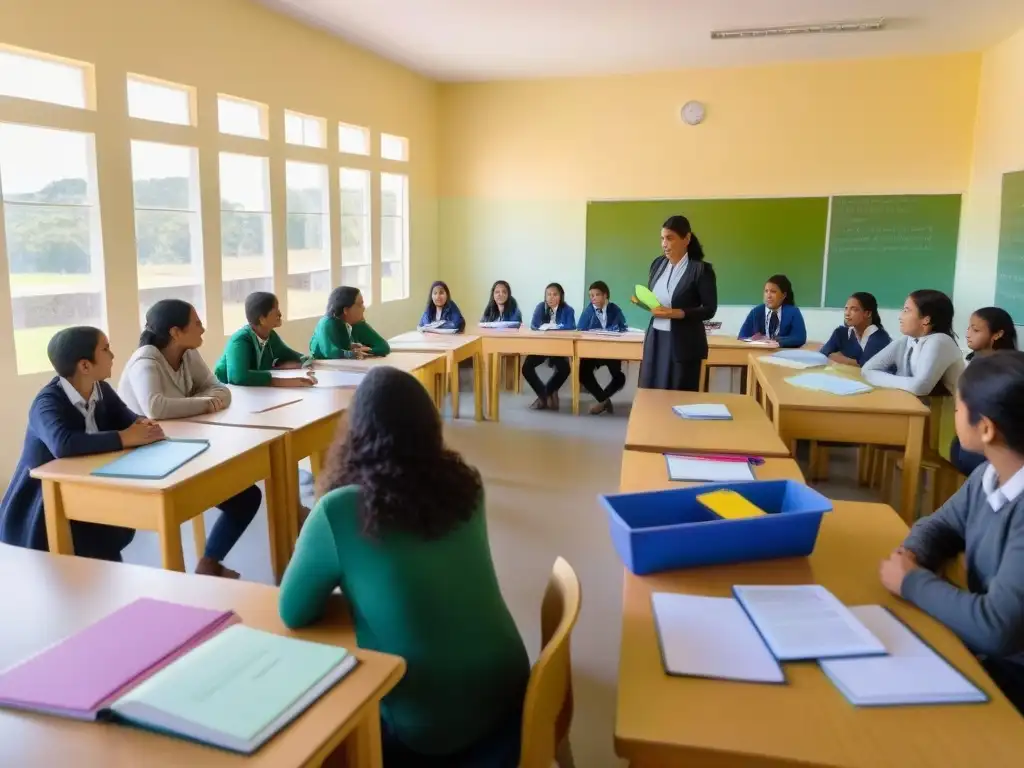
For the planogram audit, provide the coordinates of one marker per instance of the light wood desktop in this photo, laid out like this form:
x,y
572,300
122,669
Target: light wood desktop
x,y
644,471
57,596
654,427
457,347
236,459
305,424
879,417
627,347
730,352
663,720
429,368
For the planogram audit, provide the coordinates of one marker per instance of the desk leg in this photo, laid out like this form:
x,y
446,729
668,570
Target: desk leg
x,y
494,374
478,386
277,507
58,527
453,383
912,468
574,376
363,747
751,382
169,530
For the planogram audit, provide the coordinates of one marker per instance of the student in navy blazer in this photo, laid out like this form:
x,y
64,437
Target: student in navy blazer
x,y
861,337
441,309
76,414
778,319
602,315
502,306
553,311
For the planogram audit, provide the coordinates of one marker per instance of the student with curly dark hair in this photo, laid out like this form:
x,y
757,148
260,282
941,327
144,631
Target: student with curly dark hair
x,y
401,528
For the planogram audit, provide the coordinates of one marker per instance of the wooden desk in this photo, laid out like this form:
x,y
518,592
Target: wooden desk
x,y
664,720
653,427
879,417
730,352
594,346
304,425
457,347
57,596
236,459
521,341
643,471
428,367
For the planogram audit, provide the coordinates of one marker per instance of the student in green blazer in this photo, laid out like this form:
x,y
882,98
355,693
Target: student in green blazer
x,y
255,350
343,332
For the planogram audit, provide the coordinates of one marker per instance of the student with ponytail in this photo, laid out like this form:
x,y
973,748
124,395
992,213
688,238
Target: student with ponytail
x,y
778,320
862,336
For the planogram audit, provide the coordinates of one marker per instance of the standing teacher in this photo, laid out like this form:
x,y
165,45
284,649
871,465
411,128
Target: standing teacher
x,y
685,284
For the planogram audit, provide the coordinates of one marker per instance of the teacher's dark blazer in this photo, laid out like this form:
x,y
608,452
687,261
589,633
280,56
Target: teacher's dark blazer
x,y
697,295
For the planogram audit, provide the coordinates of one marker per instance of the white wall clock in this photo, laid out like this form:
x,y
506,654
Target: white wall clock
x,y
692,113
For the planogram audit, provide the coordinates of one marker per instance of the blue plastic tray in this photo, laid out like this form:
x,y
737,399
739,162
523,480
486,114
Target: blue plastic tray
x,y
667,530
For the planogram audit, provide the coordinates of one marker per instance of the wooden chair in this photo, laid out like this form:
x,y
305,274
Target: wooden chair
x,y
547,709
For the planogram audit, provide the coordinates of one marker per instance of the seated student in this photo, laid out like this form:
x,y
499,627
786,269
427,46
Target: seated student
x,y
926,354
343,332
554,312
76,414
778,319
990,328
985,520
254,351
862,337
441,311
167,378
401,528
602,315
502,306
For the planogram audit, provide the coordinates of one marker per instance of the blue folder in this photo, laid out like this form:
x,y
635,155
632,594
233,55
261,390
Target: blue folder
x,y
153,462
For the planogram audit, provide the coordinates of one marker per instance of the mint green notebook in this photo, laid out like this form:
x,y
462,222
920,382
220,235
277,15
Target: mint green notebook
x,y
236,690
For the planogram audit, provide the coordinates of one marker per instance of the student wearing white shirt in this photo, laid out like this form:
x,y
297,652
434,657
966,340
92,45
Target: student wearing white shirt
x,y
926,355
687,289
985,521
551,314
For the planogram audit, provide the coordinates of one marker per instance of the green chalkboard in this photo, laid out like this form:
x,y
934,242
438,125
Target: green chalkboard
x,y
891,245
1010,269
746,240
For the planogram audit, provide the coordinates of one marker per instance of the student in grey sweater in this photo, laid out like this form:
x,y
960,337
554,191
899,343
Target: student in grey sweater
x,y
984,519
167,378
926,354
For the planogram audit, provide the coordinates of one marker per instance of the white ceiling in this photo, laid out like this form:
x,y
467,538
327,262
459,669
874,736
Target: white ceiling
x,y
457,40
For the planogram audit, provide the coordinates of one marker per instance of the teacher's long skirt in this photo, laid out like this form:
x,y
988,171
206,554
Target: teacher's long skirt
x,y
659,371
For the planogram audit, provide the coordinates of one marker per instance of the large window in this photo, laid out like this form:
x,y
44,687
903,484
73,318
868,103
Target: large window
x,y
27,75
353,139
54,246
355,231
241,118
168,233
246,243
150,99
309,239
394,236
304,130
394,147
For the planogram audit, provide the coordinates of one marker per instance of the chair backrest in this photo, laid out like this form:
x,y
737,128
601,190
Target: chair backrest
x,y
547,709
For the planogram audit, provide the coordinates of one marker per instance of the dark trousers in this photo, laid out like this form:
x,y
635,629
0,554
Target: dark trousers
x,y
1010,679
100,542
964,461
558,378
589,381
236,514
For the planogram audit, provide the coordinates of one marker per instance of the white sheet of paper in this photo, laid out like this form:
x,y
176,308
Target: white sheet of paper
x,y
760,342
806,622
684,468
324,377
785,363
834,385
711,637
548,327
433,329
501,324
912,673
703,411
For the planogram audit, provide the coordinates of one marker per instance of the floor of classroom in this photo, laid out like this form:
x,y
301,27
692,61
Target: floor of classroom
x,y
542,472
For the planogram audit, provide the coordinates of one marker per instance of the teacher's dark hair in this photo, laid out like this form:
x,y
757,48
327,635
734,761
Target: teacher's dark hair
x,y
993,387
161,318
681,226
785,286
341,298
394,451
491,312
869,304
936,306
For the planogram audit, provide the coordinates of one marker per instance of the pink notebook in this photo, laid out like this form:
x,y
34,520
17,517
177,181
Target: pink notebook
x,y
83,674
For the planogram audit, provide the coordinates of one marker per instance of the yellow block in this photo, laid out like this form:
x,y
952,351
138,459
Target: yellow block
x,y
729,505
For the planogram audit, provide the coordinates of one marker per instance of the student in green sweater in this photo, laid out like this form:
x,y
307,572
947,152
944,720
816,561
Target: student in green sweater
x,y
401,528
343,332
255,350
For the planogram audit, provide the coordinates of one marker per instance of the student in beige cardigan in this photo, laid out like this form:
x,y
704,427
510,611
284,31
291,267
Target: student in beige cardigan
x,y
167,378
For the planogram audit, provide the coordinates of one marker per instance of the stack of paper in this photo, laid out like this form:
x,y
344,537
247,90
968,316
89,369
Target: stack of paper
x,y
431,329
833,385
708,469
760,342
604,332
796,358
501,324
703,412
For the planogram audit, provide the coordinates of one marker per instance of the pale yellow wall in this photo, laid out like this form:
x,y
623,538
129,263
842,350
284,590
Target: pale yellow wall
x,y
217,46
519,160
998,148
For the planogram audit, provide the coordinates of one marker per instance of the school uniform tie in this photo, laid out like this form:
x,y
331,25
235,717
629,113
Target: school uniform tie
x,y
910,352
773,325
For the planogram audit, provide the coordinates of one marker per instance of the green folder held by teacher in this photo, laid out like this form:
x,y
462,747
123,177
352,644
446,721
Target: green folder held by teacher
x,y
644,298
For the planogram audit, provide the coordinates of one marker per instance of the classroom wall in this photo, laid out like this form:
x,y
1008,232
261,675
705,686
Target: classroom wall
x,y
519,160
217,46
998,148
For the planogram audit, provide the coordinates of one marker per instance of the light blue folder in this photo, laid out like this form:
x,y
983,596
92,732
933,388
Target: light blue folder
x,y
153,462
834,385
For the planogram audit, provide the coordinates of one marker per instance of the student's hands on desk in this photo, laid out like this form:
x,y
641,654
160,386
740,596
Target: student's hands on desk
x,y
142,432
895,569
309,380
361,351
